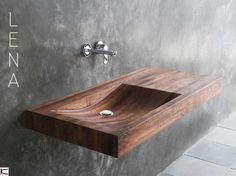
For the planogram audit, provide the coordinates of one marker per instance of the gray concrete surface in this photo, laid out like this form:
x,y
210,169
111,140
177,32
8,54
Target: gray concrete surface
x,y
194,36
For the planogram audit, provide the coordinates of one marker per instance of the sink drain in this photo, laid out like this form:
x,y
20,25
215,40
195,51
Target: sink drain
x,y
106,113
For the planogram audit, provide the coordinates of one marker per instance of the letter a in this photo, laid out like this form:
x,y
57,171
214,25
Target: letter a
x,y
13,81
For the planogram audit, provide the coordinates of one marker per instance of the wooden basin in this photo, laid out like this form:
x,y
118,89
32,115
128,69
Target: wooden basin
x,y
127,102
143,102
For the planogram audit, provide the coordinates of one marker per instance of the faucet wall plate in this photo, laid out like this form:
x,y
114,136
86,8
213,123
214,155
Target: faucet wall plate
x,y
143,103
86,49
99,48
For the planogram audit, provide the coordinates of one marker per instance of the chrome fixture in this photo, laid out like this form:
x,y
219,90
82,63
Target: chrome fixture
x,y
106,113
99,48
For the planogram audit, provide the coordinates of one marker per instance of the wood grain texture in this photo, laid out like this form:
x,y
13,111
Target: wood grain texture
x,y
144,102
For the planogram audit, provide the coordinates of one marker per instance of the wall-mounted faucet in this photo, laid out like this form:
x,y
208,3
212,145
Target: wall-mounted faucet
x,y
100,48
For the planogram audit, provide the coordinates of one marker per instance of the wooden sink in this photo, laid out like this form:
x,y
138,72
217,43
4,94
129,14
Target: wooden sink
x,y
143,102
128,102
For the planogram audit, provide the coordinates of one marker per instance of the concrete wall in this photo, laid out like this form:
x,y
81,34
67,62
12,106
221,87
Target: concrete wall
x,y
198,36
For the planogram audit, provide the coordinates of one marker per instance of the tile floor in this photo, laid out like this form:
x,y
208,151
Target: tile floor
x,y
213,155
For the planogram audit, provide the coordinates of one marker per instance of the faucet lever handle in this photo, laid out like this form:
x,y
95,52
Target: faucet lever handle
x,y
99,48
100,45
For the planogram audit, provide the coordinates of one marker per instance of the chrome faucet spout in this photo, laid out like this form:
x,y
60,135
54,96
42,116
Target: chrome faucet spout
x,y
102,51
100,48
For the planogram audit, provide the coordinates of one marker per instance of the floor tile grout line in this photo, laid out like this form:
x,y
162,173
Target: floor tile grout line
x,y
207,140
226,128
207,161
220,143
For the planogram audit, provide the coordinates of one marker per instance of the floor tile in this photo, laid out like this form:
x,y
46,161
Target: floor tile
x,y
231,173
164,174
234,167
189,166
223,136
217,153
230,122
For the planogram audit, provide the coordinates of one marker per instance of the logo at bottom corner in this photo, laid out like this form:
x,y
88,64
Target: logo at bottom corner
x,y
4,171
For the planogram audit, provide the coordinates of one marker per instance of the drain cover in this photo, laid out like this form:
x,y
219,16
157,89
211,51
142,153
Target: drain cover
x,y
106,113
